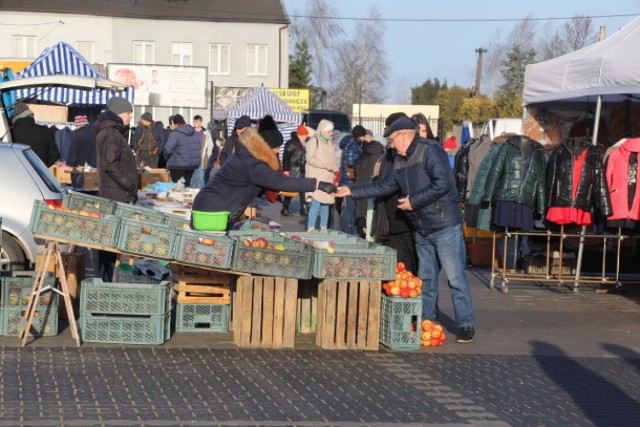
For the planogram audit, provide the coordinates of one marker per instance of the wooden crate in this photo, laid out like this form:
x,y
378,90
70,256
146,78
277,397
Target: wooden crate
x,y
203,290
307,310
348,314
264,312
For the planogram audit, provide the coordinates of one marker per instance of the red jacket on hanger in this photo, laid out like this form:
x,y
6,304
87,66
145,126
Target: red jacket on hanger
x,y
620,177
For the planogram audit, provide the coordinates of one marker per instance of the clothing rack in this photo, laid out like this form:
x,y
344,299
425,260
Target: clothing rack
x,y
506,273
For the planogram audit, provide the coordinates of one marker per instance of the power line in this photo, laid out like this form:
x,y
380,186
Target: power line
x,y
459,19
31,25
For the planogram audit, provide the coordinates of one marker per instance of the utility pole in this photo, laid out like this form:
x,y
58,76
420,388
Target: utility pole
x,y
480,51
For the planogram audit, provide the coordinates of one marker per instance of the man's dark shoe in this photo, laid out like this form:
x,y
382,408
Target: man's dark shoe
x,y
466,335
285,212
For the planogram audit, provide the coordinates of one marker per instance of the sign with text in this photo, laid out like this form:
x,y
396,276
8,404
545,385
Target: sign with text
x,y
163,85
296,99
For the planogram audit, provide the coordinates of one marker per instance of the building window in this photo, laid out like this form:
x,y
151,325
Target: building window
x,y
181,53
219,58
24,46
257,60
143,52
85,49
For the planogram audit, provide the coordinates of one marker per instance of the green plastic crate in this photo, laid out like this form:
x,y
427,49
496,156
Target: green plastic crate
x,y
17,286
398,318
70,227
175,221
146,239
125,298
139,213
125,329
362,261
44,323
194,247
202,318
295,260
89,203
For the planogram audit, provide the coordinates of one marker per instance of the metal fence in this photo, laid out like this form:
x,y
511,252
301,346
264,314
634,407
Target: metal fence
x,y
376,124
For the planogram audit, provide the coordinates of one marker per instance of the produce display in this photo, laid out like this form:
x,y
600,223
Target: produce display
x,y
405,284
202,248
432,334
142,238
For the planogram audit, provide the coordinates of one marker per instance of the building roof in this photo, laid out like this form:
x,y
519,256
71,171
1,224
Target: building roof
x,y
260,11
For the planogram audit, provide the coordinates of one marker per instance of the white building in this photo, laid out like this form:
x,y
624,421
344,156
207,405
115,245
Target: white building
x,y
242,43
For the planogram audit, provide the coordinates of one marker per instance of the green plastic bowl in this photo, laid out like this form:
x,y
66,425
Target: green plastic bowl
x,y
210,221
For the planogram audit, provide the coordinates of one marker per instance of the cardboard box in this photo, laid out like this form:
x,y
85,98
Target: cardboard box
x,y
62,175
86,181
49,113
151,176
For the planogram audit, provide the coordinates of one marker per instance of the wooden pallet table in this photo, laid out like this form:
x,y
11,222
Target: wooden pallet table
x,y
264,312
348,314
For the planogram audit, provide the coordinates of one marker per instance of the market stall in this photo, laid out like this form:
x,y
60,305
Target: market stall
x,y
590,93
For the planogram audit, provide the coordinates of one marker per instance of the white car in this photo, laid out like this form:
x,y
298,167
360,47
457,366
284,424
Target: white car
x,y
24,178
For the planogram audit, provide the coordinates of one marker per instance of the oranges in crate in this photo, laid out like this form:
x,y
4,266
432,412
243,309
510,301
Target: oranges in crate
x,y
405,285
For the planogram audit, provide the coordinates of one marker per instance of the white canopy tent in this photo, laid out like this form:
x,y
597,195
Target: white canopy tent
x,y
610,68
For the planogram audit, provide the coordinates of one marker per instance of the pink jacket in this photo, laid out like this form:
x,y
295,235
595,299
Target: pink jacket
x,y
618,180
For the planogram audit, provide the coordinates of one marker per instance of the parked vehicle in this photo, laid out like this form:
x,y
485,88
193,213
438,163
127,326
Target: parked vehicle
x,y
497,127
24,178
341,121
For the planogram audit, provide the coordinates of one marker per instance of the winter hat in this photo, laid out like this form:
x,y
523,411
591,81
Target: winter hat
x,y
243,122
324,125
81,120
400,124
268,130
358,131
302,130
146,116
119,105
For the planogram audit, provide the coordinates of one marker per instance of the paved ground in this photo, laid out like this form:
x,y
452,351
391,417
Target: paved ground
x,y
544,356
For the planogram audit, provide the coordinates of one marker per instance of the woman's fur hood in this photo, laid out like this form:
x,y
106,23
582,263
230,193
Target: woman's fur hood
x,y
259,148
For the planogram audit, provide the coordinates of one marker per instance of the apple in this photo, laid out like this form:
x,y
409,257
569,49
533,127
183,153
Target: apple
x,y
261,242
207,242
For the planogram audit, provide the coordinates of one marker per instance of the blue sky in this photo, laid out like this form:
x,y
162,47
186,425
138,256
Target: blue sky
x,y
418,51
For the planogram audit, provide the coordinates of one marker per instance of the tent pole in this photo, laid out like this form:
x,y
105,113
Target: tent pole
x,y
594,141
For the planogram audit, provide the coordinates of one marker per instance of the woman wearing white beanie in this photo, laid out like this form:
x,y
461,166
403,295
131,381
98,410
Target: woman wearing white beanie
x,y
320,165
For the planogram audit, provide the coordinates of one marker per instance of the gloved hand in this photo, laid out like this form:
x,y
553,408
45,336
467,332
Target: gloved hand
x,y
327,187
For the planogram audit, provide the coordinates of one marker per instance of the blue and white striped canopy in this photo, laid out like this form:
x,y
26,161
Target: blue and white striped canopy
x,y
64,59
261,102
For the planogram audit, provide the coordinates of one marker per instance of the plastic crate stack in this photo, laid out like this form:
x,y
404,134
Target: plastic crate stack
x,y
125,313
400,322
16,291
202,300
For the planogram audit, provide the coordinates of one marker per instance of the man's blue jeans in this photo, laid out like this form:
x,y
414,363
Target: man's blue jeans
x,y
348,216
444,249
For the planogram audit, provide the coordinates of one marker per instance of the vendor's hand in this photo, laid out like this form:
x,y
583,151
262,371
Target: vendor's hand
x,y
343,192
405,204
285,173
327,187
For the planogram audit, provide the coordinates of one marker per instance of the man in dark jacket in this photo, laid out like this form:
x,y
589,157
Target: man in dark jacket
x,y
83,144
293,165
421,171
252,168
243,122
371,152
116,165
40,138
350,153
148,140
182,150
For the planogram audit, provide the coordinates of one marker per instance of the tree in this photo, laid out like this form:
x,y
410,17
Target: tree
x,y
450,102
300,73
319,32
507,106
573,35
427,92
478,109
513,72
360,74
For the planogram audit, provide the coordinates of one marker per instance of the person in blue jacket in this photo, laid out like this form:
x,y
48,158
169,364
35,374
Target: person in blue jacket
x,y
182,150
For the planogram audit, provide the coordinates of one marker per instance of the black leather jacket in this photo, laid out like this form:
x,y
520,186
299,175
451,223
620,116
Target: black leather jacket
x,y
518,174
592,186
461,169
